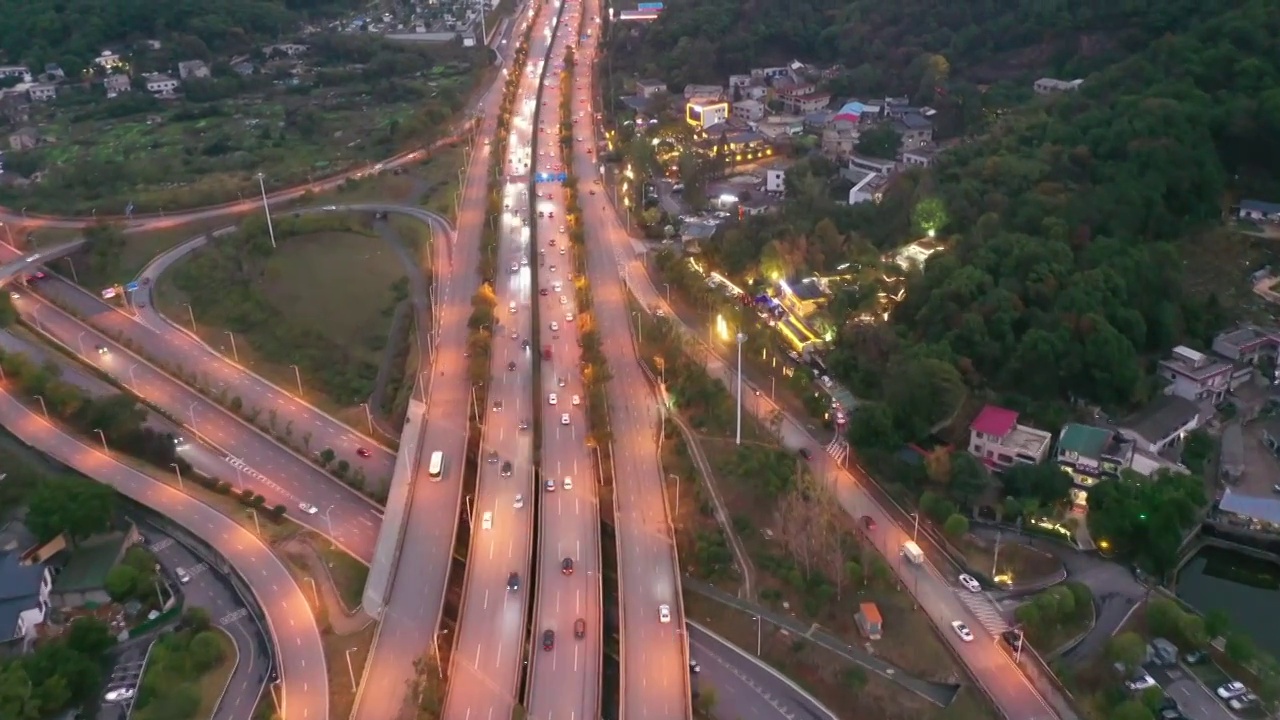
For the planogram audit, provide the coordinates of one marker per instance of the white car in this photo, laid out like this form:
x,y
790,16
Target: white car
x,y
561,249
1232,689
551,485
963,631
118,695
1140,683
971,583
576,400
664,613
486,521
568,483
564,418
551,399
555,326
308,508
556,286
183,576
519,503
564,300
568,317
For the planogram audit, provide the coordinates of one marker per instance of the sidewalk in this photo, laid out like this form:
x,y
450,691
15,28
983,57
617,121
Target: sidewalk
x,y
341,620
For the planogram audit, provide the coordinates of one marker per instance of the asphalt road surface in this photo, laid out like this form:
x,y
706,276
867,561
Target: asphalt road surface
x,y
210,590
414,604
564,680
250,458
744,688
304,682
489,652
655,680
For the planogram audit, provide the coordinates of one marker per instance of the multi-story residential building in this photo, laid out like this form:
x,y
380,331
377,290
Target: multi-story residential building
x,y
747,110
160,84
1248,344
1162,424
1258,211
920,157
916,130
117,83
24,596
22,72
839,138
649,87
996,438
775,179
1195,376
1092,454
42,92
707,93
192,69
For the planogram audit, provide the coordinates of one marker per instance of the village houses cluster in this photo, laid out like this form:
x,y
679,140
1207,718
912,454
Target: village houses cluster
x,y
112,74
758,115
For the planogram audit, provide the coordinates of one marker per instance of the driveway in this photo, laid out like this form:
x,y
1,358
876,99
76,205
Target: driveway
x,y
1115,590
210,590
126,672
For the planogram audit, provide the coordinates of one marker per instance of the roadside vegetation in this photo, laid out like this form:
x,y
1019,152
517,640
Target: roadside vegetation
x,y
59,674
322,301
173,686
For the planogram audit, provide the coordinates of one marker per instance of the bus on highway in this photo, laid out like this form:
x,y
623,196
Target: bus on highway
x,y
436,466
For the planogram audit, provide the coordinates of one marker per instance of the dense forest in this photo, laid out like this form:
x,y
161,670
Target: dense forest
x,y
883,43
73,32
1067,219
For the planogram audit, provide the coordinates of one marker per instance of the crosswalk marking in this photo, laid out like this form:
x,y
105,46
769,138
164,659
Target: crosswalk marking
x,y
232,617
984,610
838,449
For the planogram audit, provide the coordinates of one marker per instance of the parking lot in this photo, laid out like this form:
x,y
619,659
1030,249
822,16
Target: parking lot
x,y
126,673
1195,700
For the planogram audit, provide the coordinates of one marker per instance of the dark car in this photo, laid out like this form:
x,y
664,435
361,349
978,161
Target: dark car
x,y
493,456
513,581
868,522
506,469
543,292
511,366
566,566
579,628
804,453
548,639
1013,639
1195,657
363,452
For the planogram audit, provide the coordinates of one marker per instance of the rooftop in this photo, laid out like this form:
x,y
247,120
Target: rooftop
x,y
1244,337
1266,509
913,121
1084,440
1260,206
993,420
1162,417
1194,364
89,563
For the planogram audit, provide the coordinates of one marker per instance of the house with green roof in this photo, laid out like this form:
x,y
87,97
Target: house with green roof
x,y
1092,454
82,581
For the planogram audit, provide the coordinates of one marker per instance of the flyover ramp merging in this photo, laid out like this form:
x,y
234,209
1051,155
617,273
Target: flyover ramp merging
x,y
565,680
292,626
414,604
251,459
490,650
655,677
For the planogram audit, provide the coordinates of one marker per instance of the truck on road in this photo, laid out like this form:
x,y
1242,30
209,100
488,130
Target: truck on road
x,y
913,552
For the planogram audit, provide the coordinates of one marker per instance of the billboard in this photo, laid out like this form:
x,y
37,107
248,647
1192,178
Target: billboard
x,y
705,115
649,6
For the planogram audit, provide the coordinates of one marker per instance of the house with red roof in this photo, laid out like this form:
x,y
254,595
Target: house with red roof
x,y
996,438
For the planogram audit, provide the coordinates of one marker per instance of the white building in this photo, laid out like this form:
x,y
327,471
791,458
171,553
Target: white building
x,y
775,180
16,71
747,110
996,438
160,84
42,92
1195,376
1049,86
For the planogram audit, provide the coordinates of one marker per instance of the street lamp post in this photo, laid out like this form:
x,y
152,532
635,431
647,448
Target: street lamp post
x,y
191,410
368,416
759,634
178,470
329,520
742,338
192,315
677,477
234,354
80,341
103,437
351,669
915,530
639,328
43,408
133,380
297,375
266,210
667,287
73,270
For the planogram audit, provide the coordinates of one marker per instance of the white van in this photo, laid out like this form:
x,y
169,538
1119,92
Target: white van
x,y
486,521
511,307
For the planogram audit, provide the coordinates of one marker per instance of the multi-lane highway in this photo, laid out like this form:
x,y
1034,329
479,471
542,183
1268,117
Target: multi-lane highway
x,y
249,457
295,635
655,679
490,649
565,665
413,606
